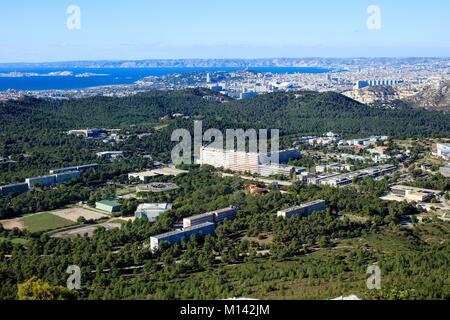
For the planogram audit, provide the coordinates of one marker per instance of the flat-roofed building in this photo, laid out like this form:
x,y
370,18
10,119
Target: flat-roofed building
x,y
82,168
43,181
304,209
152,211
225,214
109,206
170,172
68,176
202,230
255,163
14,189
198,219
443,150
176,236
110,155
143,176
414,194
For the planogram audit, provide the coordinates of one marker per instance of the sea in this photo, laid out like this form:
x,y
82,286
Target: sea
x,y
82,78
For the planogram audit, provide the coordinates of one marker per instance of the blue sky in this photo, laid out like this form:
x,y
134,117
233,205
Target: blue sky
x,y
36,31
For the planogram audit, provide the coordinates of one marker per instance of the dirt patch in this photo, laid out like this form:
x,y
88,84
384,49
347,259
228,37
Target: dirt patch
x,y
74,213
12,224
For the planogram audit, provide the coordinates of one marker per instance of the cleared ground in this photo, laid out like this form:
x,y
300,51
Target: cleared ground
x,y
86,230
74,213
12,224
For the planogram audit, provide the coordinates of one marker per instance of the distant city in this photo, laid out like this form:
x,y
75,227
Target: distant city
x,y
239,79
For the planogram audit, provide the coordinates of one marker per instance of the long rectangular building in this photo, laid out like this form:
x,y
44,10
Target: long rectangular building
x,y
225,214
176,236
255,163
305,209
76,168
198,219
52,180
217,216
15,189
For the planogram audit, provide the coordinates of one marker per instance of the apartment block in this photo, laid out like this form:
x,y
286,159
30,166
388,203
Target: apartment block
x,y
15,189
305,209
198,219
176,236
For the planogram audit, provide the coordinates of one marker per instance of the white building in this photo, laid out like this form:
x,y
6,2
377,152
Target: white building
x,y
152,210
443,150
254,163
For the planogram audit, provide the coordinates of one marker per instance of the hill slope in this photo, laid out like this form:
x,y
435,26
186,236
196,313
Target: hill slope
x,y
303,112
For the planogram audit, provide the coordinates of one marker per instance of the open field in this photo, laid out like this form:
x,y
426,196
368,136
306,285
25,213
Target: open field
x,y
74,213
44,222
86,230
52,220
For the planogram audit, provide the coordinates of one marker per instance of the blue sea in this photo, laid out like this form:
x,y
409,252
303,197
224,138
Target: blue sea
x,y
114,76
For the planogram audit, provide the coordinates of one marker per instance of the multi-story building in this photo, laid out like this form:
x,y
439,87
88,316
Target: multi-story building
x,y
68,176
305,209
82,168
52,180
176,236
255,163
414,194
225,214
348,178
43,181
198,219
15,189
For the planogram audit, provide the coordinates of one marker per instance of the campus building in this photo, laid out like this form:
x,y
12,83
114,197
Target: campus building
x,y
217,216
82,168
255,163
305,209
109,206
443,150
15,189
52,180
411,194
151,211
176,236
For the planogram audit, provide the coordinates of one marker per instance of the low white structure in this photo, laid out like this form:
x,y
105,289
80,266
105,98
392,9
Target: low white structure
x,y
152,210
443,150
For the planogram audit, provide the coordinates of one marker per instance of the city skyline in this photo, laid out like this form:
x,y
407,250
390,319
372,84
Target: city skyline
x,y
33,32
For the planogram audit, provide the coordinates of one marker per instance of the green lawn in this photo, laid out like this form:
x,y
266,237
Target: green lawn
x,y
16,241
45,222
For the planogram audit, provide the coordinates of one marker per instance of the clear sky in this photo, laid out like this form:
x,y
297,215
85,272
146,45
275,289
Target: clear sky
x,y
36,30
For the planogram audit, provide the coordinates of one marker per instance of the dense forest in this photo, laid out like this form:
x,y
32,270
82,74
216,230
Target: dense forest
x,y
301,113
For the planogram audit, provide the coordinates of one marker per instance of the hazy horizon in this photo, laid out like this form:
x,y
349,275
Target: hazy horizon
x,y
45,31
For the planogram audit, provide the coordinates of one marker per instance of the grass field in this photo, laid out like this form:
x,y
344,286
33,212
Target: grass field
x,y
15,241
45,222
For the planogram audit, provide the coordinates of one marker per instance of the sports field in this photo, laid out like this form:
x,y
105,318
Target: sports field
x,y
45,222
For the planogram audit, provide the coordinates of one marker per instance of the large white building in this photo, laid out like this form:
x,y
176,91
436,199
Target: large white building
x,y
443,150
255,163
